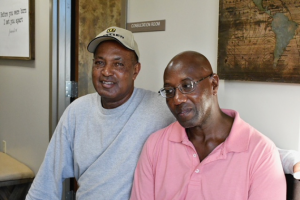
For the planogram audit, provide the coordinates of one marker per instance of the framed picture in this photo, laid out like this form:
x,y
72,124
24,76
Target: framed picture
x,y
17,29
259,41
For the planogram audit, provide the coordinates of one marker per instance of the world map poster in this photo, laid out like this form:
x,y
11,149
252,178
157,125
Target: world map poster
x,y
259,40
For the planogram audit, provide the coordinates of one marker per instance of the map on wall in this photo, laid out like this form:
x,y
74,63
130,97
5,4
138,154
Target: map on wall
x,y
259,40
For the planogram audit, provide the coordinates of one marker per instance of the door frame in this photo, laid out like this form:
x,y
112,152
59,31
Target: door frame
x,y
60,59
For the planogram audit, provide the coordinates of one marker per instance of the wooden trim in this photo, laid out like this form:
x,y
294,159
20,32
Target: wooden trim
x,y
76,39
123,19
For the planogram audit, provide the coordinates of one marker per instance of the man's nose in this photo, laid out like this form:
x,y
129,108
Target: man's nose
x,y
107,70
179,97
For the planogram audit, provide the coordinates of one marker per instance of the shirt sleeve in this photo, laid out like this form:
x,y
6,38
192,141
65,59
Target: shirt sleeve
x,y
56,167
143,184
267,180
288,159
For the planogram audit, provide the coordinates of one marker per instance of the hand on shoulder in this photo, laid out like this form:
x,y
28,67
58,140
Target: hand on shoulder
x,y
297,171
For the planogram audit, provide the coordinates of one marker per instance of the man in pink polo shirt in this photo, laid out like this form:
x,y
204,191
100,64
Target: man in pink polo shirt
x,y
208,153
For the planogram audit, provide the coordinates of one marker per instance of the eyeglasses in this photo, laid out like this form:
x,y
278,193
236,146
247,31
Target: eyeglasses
x,y
187,86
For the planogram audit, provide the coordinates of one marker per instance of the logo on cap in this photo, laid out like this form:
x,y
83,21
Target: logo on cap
x,y
111,30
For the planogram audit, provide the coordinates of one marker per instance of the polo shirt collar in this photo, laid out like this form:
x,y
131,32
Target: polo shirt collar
x,y
178,133
239,136
237,141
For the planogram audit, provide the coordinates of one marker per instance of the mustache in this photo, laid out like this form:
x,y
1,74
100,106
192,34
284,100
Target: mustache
x,y
183,107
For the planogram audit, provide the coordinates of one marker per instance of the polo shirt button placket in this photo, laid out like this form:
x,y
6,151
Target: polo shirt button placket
x,y
197,171
194,155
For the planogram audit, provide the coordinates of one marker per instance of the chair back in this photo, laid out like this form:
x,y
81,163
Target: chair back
x,y
293,188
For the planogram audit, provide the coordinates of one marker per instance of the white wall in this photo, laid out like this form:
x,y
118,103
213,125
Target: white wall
x,y
24,97
272,108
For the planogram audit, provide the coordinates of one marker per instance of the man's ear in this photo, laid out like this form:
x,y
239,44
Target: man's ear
x,y
136,70
215,83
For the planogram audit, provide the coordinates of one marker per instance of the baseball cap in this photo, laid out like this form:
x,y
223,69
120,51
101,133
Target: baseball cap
x,y
121,35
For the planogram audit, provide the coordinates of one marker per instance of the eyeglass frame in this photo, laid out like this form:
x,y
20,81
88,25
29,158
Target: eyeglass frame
x,y
180,87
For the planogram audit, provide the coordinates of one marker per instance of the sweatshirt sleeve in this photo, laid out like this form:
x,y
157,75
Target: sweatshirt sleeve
x,y
288,159
56,167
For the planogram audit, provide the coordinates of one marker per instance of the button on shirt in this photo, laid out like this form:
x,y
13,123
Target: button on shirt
x,y
245,166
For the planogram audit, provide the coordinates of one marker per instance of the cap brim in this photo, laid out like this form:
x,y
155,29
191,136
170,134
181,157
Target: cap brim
x,y
96,41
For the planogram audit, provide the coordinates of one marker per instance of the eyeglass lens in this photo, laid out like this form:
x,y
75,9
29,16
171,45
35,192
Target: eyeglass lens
x,y
186,86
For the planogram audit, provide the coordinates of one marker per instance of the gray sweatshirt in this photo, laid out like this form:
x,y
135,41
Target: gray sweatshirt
x,y
99,147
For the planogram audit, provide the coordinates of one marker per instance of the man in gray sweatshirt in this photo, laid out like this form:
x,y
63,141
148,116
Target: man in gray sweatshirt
x,y
99,136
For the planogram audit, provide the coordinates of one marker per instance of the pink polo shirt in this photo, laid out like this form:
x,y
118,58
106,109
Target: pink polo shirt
x,y
245,166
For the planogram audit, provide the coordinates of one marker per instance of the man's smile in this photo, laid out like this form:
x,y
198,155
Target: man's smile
x,y
107,84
